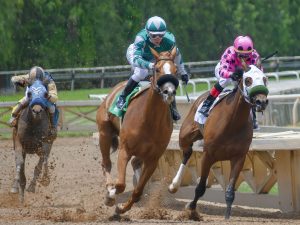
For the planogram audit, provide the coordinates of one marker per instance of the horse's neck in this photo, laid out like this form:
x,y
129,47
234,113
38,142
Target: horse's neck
x,y
240,108
155,108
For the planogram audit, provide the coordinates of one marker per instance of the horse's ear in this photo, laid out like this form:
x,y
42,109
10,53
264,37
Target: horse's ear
x,y
154,53
173,52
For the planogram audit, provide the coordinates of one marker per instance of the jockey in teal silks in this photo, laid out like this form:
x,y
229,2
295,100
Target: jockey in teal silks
x,y
156,36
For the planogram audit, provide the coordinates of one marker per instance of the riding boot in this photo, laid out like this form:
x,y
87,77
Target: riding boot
x,y
131,84
175,114
53,129
206,105
15,113
254,121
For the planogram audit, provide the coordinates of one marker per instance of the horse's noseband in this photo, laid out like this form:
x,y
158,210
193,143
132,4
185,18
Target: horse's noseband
x,y
167,78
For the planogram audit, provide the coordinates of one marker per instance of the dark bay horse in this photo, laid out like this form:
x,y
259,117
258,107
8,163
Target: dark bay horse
x,y
227,133
145,132
32,136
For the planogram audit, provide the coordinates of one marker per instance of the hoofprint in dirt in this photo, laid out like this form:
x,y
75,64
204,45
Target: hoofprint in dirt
x,y
76,194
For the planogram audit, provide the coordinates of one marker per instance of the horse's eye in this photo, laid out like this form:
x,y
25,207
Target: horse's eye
x,y
248,81
165,92
156,70
29,94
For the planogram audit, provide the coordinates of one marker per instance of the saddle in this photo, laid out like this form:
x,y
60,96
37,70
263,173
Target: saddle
x,y
199,117
113,109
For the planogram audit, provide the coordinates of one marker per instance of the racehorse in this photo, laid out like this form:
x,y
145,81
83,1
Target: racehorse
x,y
32,136
227,133
144,133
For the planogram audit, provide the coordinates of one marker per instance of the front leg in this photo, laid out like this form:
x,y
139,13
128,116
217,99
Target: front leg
x,y
148,169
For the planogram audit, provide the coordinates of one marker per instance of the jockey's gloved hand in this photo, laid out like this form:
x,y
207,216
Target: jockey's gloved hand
x,y
185,78
237,74
151,66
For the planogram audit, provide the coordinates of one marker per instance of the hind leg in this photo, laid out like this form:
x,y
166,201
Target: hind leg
x,y
236,167
147,171
187,136
206,164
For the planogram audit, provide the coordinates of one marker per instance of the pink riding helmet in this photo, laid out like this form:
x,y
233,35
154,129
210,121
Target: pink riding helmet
x,y
243,45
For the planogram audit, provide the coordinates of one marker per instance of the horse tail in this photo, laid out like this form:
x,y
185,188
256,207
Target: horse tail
x,y
115,143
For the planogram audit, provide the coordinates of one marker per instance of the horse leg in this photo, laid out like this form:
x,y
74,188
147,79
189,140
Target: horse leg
x,y
123,159
236,166
45,181
36,174
137,169
105,142
147,171
206,164
20,179
187,152
189,133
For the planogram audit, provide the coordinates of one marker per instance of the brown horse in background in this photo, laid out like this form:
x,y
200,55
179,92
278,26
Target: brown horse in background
x,y
227,133
144,133
32,136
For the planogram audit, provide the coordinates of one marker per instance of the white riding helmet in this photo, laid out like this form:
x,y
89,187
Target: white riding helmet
x,y
156,25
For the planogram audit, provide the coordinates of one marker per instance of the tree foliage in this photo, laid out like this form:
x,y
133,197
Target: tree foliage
x,y
74,33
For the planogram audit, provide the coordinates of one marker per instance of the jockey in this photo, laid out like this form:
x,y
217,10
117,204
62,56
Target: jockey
x,y
36,73
229,69
156,36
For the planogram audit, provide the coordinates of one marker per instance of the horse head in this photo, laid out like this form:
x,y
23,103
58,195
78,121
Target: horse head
x,y
255,87
165,81
37,95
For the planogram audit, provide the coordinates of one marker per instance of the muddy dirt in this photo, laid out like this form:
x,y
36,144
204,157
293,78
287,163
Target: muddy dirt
x,y
76,195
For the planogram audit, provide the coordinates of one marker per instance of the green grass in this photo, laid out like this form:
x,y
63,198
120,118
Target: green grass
x,y
81,94
245,188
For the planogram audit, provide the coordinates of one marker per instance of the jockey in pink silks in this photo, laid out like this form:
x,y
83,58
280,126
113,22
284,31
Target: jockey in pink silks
x,y
230,68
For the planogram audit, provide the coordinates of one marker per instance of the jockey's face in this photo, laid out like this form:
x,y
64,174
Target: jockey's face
x,y
156,38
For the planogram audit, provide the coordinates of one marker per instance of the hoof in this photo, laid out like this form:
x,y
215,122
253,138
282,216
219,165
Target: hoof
x,y
189,207
109,201
14,190
120,209
172,189
115,217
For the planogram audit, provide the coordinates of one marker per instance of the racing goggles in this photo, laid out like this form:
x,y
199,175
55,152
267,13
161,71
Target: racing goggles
x,y
155,35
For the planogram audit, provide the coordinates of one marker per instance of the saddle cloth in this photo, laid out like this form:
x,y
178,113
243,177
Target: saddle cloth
x,y
142,86
199,117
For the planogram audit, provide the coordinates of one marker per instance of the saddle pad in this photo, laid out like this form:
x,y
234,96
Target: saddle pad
x,y
121,112
199,117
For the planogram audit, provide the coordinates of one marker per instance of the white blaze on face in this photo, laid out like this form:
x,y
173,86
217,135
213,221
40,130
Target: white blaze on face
x,y
167,68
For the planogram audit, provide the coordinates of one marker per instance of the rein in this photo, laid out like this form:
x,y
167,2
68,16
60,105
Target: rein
x,y
247,99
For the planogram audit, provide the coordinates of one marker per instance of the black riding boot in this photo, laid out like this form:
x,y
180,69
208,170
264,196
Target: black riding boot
x,y
207,104
15,114
53,129
131,84
255,124
175,114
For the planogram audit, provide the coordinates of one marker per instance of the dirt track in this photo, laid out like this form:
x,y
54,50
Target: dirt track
x,y
76,194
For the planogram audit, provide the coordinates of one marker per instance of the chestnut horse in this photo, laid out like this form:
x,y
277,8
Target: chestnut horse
x,y
227,133
32,136
144,133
